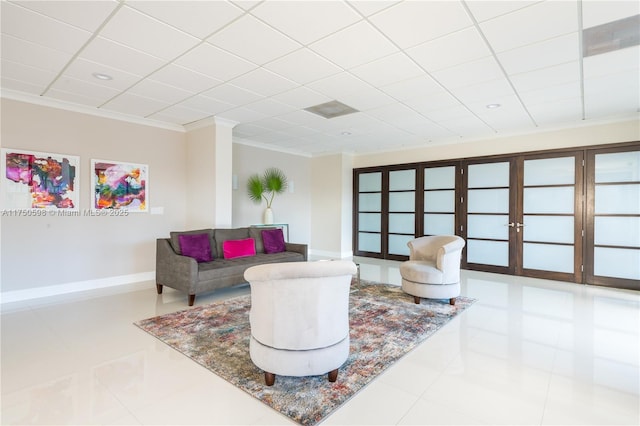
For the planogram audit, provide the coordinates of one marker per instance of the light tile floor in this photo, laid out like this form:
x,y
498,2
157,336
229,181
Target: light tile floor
x,y
529,351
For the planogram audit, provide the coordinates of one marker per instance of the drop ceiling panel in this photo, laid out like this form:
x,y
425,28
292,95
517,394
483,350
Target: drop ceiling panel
x,y
86,15
159,91
273,123
547,77
408,89
232,94
73,98
264,82
485,10
337,85
353,46
612,62
99,93
107,52
83,70
302,97
214,62
303,66
253,40
434,101
33,54
551,94
205,104
198,18
370,7
469,73
555,51
28,25
150,35
242,115
532,24
611,95
306,21
453,49
270,107
413,22
366,100
388,70
129,103
486,93
177,76
601,12
558,111
178,115
21,86
19,72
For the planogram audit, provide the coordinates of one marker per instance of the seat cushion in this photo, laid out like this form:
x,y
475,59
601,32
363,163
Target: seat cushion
x,y
420,271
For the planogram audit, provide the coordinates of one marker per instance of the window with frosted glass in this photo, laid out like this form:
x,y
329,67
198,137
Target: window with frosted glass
x,y
402,206
439,200
369,212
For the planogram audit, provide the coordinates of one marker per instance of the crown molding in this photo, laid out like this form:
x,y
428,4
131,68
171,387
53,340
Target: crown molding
x,y
68,106
210,121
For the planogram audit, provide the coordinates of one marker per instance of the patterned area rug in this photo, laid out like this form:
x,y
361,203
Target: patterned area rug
x,y
385,325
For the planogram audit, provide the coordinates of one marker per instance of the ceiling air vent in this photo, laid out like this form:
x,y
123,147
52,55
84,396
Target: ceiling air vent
x,y
611,36
331,109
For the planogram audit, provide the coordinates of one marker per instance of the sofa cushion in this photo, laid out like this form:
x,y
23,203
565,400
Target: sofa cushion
x,y
221,235
175,242
273,240
197,246
239,248
256,234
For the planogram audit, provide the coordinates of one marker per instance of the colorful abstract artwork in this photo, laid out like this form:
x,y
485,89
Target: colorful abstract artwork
x,y
38,180
120,186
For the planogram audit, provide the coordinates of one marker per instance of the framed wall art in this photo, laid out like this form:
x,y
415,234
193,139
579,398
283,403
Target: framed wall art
x,y
119,185
38,180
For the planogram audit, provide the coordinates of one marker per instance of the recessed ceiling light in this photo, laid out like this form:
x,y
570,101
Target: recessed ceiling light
x,y
492,106
346,133
101,76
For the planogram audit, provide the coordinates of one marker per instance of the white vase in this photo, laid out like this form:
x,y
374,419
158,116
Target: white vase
x,y
267,217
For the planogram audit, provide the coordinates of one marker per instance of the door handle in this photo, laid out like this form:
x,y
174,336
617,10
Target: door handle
x,y
519,225
510,225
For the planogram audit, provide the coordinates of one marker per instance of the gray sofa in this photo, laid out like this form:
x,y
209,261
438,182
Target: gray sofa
x,y
185,274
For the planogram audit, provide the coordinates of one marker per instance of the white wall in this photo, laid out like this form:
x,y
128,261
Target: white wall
x,y
293,208
46,251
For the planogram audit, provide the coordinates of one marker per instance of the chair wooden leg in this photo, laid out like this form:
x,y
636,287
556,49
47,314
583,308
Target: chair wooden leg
x,y
269,378
333,375
192,299
159,288
452,301
416,300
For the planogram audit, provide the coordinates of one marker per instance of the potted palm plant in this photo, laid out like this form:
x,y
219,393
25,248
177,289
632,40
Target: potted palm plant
x,y
273,181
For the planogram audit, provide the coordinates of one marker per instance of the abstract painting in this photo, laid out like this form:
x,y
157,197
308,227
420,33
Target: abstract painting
x,y
39,180
120,186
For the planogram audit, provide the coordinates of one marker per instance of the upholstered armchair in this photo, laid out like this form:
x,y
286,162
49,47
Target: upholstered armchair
x,y
433,268
299,317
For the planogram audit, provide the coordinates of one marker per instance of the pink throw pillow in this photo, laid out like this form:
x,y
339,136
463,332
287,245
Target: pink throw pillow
x,y
239,248
273,240
196,246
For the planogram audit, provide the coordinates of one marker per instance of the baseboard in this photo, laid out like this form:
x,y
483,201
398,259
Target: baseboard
x,y
331,254
74,287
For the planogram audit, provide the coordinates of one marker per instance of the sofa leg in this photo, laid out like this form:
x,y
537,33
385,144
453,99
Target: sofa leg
x,y
416,300
159,288
192,299
333,375
269,378
452,301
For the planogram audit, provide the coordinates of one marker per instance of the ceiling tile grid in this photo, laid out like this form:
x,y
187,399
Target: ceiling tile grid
x,y
418,71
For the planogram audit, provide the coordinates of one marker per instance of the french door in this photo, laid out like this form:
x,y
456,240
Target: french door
x,y
523,215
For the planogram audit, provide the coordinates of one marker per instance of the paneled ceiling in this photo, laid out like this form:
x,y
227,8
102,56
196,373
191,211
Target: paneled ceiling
x,y
418,72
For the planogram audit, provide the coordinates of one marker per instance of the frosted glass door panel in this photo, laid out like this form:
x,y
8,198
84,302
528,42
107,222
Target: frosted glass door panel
x,y
617,231
402,180
398,244
552,229
369,242
549,200
439,224
370,202
488,201
619,263
548,257
618,199
488,175
618,167
402,201
370,222
370,182
550,171
488,226
402,223
440,178
439,201
488,252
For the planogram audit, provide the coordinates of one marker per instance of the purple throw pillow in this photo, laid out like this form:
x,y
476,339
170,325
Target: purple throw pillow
x,y
196,246
239,248
273,240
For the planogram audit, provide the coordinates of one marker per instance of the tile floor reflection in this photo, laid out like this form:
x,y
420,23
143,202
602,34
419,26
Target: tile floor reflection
x,y
529,351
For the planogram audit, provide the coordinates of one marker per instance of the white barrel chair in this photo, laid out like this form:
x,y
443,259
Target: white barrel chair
x,y
299,317
433,268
